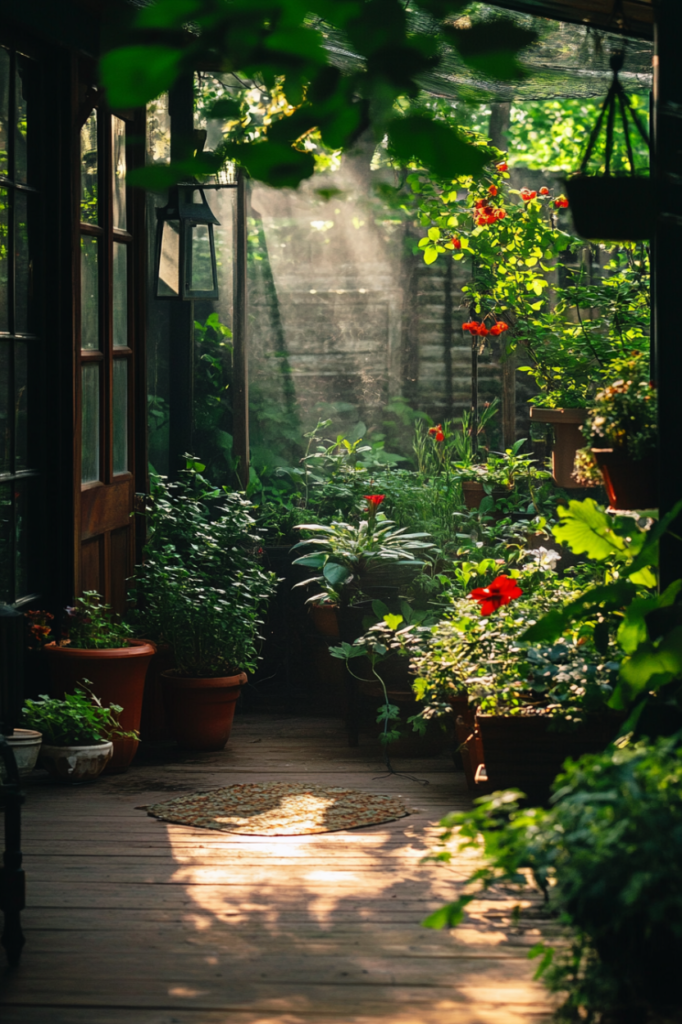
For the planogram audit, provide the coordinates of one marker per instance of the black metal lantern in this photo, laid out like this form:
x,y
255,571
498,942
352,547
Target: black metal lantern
x,y
186,266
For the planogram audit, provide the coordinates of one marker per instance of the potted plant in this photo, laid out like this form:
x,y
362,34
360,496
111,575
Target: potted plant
x,y
622,424
96,646
606,856
498,475
202,591
77,733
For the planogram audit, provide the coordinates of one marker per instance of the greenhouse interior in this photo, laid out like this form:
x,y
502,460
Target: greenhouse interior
x,y
340,546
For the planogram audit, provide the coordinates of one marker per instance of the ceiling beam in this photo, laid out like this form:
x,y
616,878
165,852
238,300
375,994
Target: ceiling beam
x,y
635,18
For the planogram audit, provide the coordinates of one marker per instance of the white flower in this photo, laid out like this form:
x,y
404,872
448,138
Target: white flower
x,y
545,558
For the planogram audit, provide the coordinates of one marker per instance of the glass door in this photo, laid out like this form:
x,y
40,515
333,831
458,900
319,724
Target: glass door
x,y
105,352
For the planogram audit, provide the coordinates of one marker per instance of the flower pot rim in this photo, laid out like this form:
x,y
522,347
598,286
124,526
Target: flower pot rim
x,y
47,748
564,414
27,737
133,649
173,675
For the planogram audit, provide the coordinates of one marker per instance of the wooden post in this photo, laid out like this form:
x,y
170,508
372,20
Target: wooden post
x,y
240,353
181,333
498,126
667,246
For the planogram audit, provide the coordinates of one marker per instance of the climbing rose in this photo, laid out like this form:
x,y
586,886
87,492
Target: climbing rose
x,y
561,203
527,195
493,190
499,327
456,242
500,214
501,591
544,191
502,167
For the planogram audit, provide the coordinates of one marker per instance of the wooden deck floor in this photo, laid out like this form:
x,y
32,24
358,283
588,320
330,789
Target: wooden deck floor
x,y
132,921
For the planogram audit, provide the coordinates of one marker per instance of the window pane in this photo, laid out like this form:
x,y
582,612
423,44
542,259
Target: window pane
x,y
25,307
4,110
118,128
89,169
89,292
201,270
120,295
169,264
5,406
120,415
25,88
4,260
90,423
21,539
6,569
21,404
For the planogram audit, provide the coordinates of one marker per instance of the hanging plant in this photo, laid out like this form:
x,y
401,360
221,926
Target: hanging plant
x,y
611,207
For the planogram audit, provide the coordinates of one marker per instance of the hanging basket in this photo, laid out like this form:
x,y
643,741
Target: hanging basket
x,y
608,207
611,209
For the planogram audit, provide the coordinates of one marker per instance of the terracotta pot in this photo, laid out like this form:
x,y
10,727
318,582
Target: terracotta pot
x,y
597,205
522,752
567,439
200,712
325,619
474,493
153,725
629,484
117,675
76,764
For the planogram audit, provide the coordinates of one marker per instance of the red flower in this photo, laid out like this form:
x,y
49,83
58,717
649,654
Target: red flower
x,y
502,167
434,430
374,501
500,214
456,242
440,436
493,190
481,221
500,591
544,191
479,203
499,327
527,195
561,203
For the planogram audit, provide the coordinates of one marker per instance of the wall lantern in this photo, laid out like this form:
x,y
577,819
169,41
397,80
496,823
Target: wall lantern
x,y
186,266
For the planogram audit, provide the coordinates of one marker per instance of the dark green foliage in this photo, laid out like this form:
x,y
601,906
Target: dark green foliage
x,y
91,624
608,856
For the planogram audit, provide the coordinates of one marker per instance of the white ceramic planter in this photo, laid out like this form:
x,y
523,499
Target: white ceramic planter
x,y
76,764
26,746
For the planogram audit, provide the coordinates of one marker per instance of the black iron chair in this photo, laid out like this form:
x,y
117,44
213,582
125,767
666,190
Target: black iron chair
x,y
12,884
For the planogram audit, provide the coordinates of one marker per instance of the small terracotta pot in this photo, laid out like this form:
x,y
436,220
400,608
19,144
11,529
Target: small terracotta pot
x,y
200,712
76,764
117,675
324,619
568,439
629,484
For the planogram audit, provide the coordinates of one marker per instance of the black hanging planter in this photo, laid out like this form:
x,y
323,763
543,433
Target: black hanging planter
x,y
607,207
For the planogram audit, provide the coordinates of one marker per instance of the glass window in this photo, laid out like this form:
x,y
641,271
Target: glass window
x,y
169,264
24,80
21,405
5,405
4,110
120,416
21,539
89,170
24,307
4,260
89,292
120,295
201,270
90,465
118,129
6,531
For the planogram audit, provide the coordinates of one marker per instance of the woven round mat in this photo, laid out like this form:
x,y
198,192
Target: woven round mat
x,y
280,809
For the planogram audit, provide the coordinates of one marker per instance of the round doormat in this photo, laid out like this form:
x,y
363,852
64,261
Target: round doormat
x,y
280,809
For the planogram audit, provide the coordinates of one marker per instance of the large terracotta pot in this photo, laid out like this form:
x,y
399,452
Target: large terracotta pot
x,y
200,712
629,484
325,619
522,752
153,724
567,439
117,675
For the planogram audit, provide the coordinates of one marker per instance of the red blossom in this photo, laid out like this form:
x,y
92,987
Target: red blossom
x,y
544,191
561,203
501,591
436,429
499,327
500,214
493,190
440,436
456,242
374,500
502,167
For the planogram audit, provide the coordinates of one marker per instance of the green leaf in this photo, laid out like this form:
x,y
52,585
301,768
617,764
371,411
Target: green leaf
x,y
169,14
299,42
436,147
448,916
225,108
648,668
430,255
586,529
134,75
274,163
609,597
335,574
492,46
393,621
158,177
